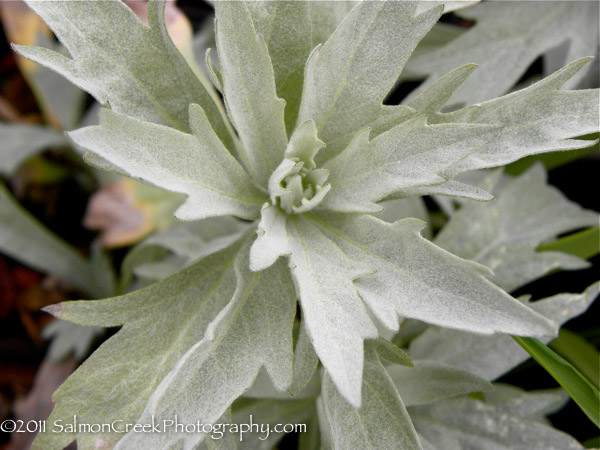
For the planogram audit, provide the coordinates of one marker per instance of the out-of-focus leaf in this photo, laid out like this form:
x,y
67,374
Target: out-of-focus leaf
x,y
505,233
492,356
20,141
69,340
580,353
60,101
126,211
25,239
584,393
463,422
584,244
496,44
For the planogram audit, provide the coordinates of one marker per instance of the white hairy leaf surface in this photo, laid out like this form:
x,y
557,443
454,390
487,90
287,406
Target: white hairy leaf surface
x,y
467,422
120,61
416,279
159,324
381,421
492,356
409,155
347,79
505,41
252,331
249,88
194,164
504,234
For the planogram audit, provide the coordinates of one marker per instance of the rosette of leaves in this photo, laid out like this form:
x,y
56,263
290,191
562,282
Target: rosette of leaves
x,y
303,147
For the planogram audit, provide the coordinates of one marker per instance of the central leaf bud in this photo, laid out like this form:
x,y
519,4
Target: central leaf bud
x,y
296,185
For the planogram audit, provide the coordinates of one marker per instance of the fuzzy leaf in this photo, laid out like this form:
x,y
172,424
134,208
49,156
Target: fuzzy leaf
x,y
429,381
347,79
305,362
249,89
272,241
334,315
194,164
285,27
530,405
410,269
21,141
409,155
253,330
382,420
144,351
120,61
469,423
491,356
504,234
496,44
534,120
325,17
69,340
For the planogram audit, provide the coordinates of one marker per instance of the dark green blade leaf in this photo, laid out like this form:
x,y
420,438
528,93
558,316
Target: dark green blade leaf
x,y
584,244
578,387
580,353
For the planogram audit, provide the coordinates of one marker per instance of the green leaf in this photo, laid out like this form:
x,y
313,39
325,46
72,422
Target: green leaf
x,y
430,381
409,155
21,141
24,238
492,356
381,421
578,387
504,234
496,44
120,61
285,27
580,353
194,164
159,324
250,94
252,331
347,79
584,244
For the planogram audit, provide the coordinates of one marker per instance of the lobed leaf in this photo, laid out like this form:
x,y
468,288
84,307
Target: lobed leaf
x,y
249,89
504,234
347,79
120,61
194,164
253,330
159,324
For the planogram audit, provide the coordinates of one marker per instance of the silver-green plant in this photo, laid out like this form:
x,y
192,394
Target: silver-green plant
x,y
302,303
